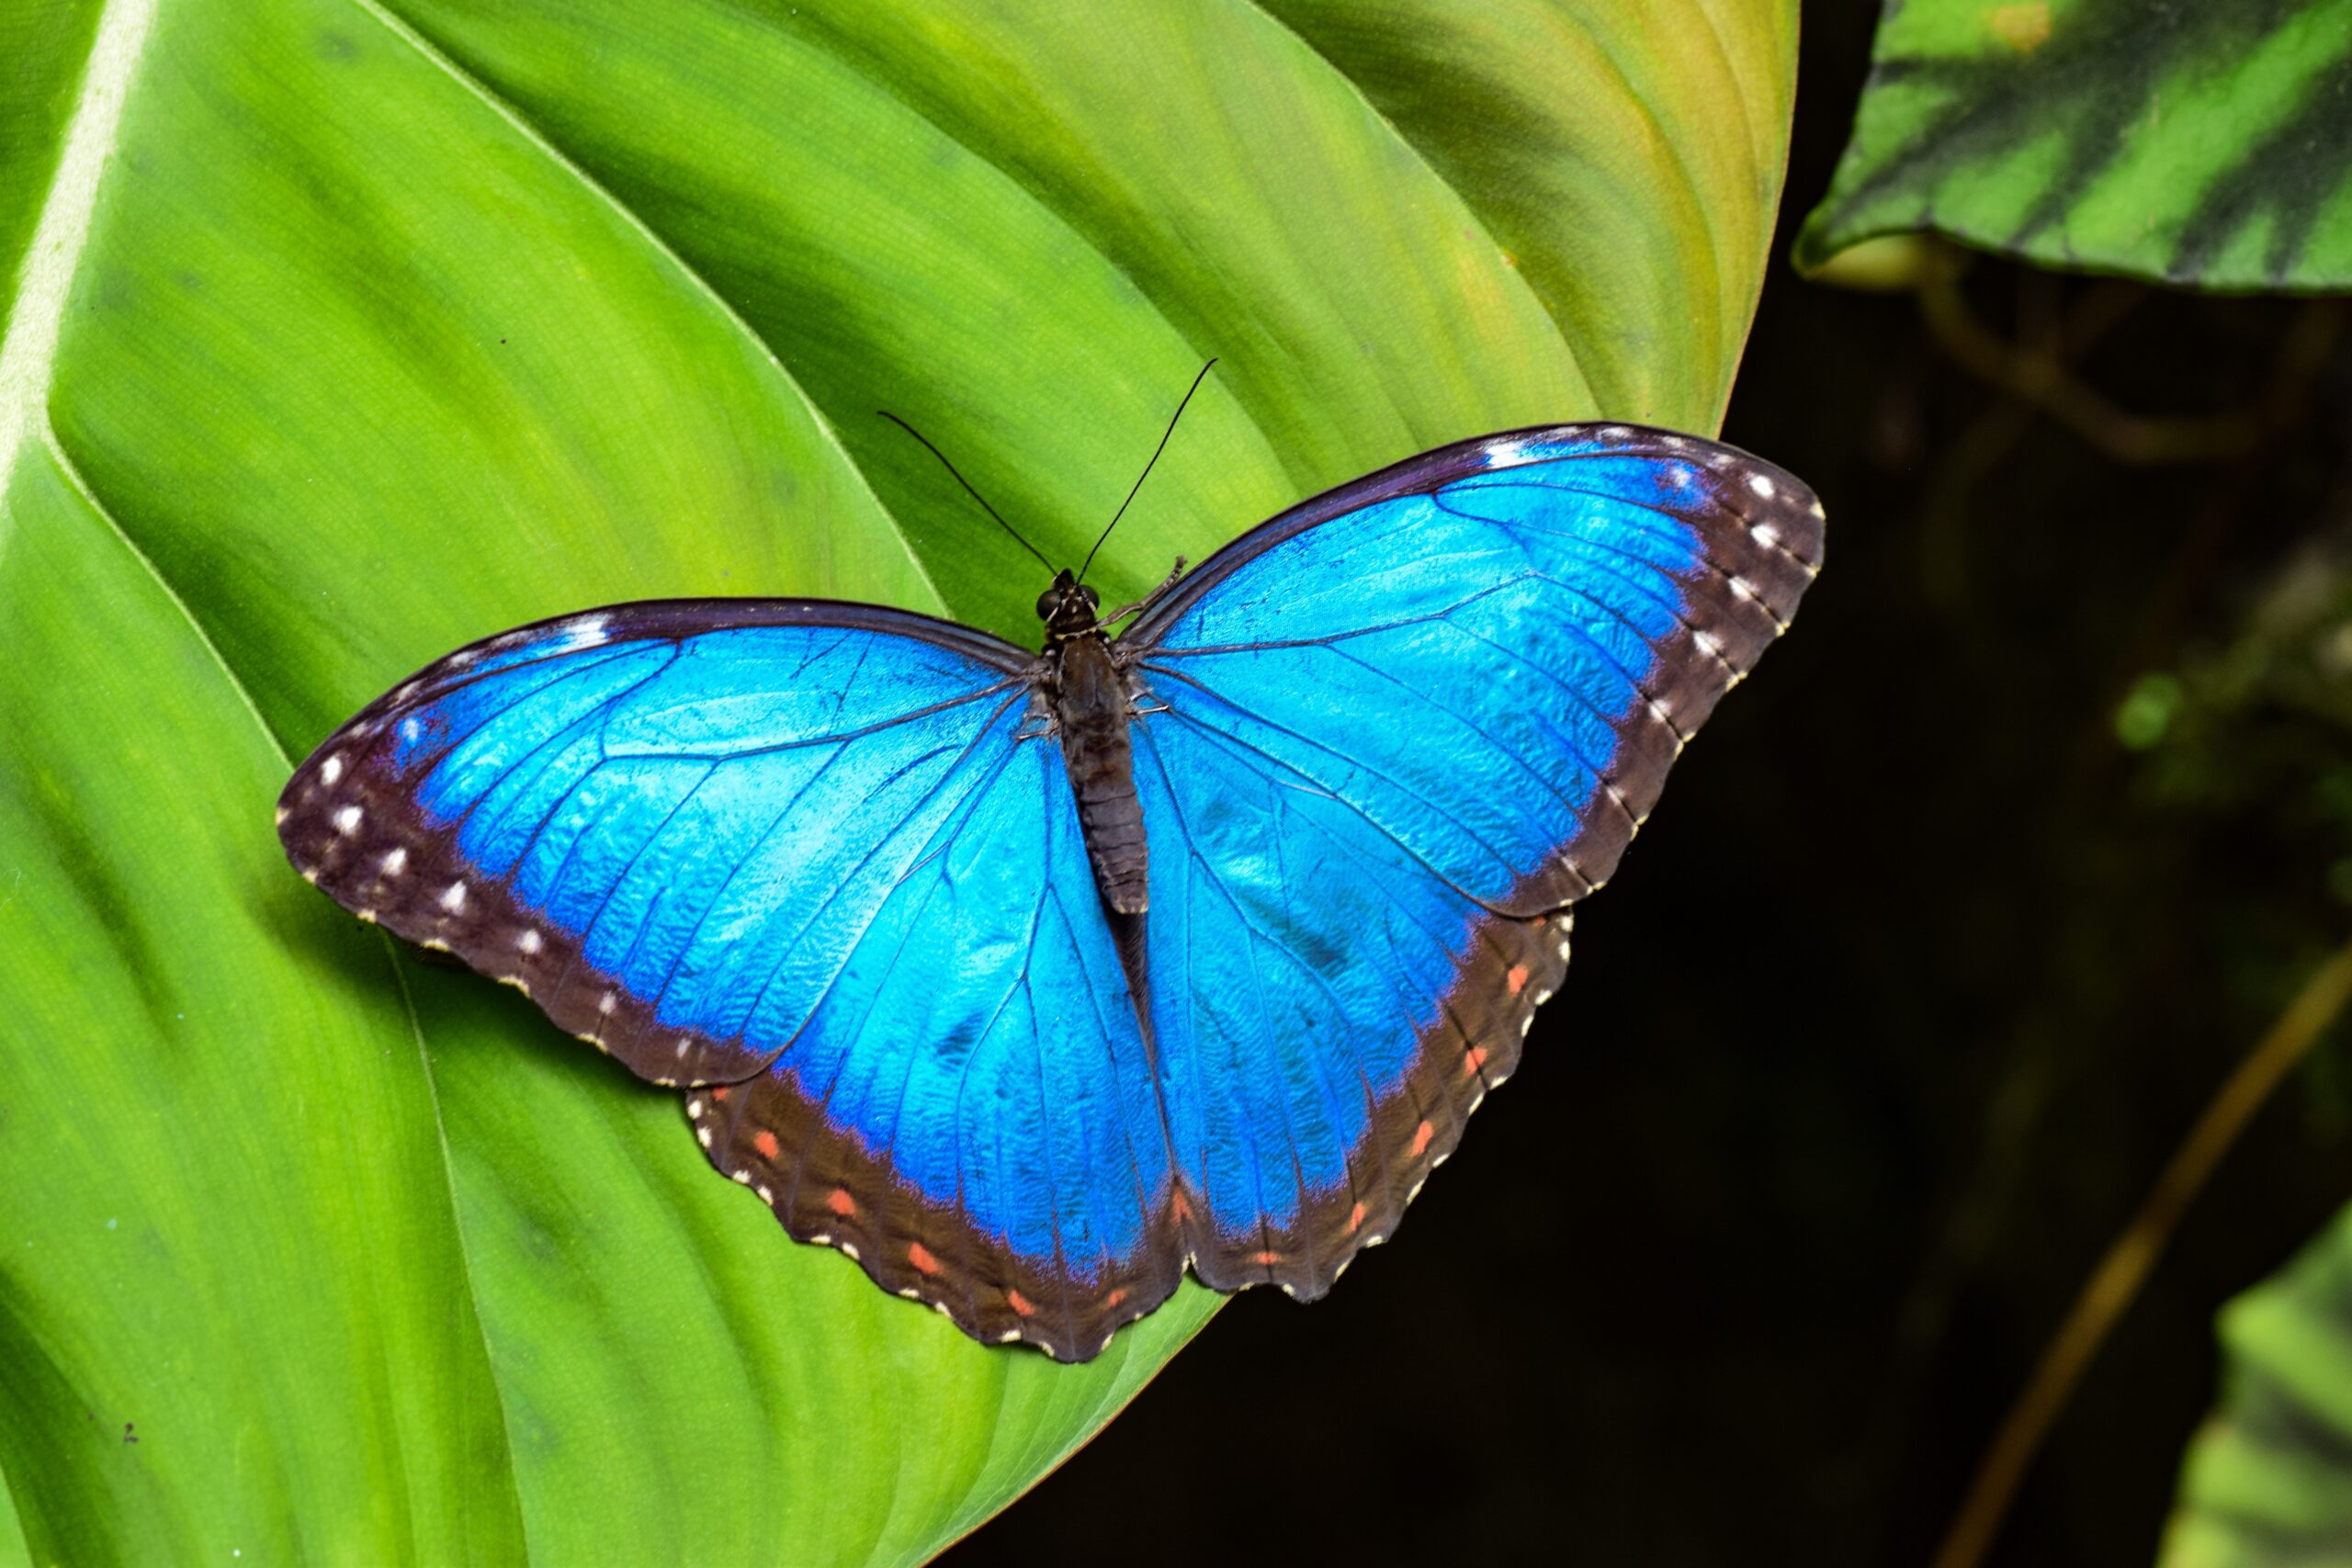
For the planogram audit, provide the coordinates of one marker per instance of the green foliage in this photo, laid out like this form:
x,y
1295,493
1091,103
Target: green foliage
x,y
2257,732
2206,144
2269,1479
348,331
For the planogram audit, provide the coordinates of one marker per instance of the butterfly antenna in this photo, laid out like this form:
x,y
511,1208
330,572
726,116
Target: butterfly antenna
x,y
960,480
1146,468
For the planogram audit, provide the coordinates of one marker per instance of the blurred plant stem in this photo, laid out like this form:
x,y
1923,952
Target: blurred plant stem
x,y
2124,1269
2040,373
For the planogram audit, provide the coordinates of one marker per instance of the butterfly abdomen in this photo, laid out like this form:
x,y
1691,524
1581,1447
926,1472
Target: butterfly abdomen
x,y
1091,710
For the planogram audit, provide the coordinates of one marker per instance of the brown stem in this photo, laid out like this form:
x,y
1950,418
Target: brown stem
x,y
2121,1273
2039,374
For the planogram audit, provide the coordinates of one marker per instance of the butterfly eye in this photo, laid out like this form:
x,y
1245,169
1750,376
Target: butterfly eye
x,y
1046,603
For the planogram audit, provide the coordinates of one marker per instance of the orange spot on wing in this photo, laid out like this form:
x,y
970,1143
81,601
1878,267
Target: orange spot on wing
x,y
1018,1304
720,1093
920,1255
765,1140
841,1202
1473,1061
1421,1137
1265,1259
1116,1297
1355,1218
1184,1208
1517,979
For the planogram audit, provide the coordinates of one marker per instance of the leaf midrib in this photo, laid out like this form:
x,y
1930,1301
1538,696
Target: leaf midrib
x,y
53,255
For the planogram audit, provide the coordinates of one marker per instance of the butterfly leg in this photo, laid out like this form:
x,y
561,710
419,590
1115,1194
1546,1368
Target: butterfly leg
x,y
1037,723
1148,600
1141,699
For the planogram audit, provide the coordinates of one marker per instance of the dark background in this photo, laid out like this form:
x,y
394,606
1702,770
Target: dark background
x,y
1903,999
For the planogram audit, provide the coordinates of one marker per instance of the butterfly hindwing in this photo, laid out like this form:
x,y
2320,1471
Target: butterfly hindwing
x,y
1325,1013
970,1111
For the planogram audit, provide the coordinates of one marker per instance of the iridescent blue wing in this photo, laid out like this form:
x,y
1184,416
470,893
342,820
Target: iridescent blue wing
x,y
1402,728
792,853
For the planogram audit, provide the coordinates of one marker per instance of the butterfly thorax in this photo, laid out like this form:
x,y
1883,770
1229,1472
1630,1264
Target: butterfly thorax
x,y
1090,704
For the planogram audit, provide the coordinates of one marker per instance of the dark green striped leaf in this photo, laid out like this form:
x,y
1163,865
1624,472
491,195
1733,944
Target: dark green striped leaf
x,y
2197,143
2269,1481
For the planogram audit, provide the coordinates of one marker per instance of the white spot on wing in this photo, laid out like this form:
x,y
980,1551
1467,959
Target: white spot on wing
x,y
529,941
346,822
454,900
586,631
395,862
1761,484
1764,534
332,769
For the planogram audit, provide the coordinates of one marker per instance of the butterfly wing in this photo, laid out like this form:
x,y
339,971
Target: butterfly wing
x,y
1405,725
795,854
799,855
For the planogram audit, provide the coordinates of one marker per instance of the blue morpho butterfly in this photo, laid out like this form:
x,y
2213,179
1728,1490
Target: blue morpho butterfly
x,y
1029,978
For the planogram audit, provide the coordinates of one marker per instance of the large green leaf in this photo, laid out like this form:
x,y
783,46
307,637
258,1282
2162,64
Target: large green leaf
x,y
347,331
2207,143
2269,1481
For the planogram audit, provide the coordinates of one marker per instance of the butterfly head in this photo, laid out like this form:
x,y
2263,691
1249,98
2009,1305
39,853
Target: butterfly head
x,y
1068,608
